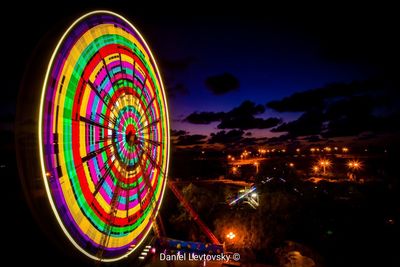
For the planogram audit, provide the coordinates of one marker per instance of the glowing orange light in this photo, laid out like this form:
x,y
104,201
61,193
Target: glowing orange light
x,y
291,164
231,235
354,164
324,162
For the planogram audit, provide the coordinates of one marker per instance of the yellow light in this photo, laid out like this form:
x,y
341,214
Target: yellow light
x,y
324,162
291,164
316,168
354,164
231,235
297,149
345,149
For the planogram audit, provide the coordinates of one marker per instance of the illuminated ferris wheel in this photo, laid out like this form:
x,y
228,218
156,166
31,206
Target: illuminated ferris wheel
x,y
103,136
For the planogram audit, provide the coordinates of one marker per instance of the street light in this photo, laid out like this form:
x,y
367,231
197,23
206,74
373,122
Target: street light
x,y
354,165
234,170
231,235
315,169
325,164
256,164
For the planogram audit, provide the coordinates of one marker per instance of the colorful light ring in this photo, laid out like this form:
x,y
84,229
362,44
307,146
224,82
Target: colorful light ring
x,y
104,136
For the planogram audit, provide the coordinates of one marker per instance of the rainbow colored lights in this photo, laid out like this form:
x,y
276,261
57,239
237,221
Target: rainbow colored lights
x,y
104,136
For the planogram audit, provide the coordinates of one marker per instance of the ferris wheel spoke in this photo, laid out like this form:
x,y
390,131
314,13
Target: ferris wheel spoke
x,y
94,89
142,83
152,161
134,71
149,125
112,121
104,139
103,178
95,153
123,71
146,109
152,142
94,123
108,73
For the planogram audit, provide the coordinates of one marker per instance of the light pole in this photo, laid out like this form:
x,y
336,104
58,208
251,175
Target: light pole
x,y
325,164
256,164
354,165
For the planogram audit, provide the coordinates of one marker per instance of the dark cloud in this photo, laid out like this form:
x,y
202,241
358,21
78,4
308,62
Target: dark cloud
x,y
342,110
178,132
189,140
279,140
366,136
247,107
317,98
222,84
247,122
241,117
223,137
177,89
310,123
248,134
350,116
312,138
204,117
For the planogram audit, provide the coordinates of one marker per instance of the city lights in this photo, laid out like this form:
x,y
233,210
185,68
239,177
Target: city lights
x,y
354,164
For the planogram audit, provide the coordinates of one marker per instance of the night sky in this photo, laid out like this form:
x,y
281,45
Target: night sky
x,y
227,68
